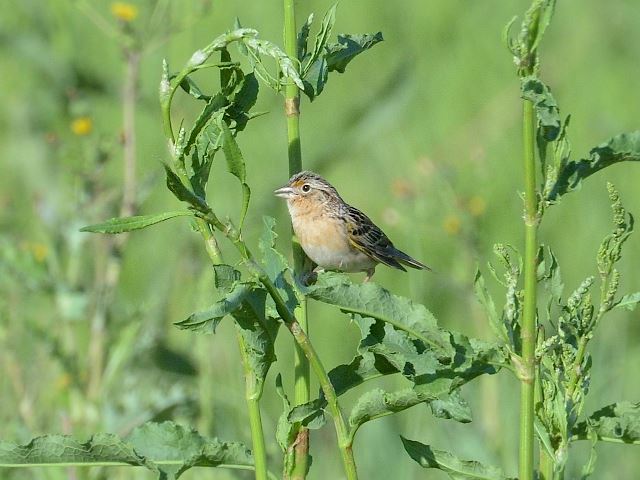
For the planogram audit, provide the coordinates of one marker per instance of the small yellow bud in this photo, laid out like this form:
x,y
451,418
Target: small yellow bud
x,y
82,126
477,205
124,11
39,251
452,225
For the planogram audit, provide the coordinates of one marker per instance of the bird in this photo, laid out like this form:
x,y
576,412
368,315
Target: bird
x,y
335,235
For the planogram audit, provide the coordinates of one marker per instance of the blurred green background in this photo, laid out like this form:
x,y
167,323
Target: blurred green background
x,y
422,133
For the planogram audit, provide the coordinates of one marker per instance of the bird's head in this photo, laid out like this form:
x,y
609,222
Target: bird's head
x,y
307,188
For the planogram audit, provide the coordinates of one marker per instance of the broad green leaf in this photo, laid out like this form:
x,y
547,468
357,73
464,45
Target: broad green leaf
x,y
451,406
348,47
182,193
100,449
166,449
207,320
225,277
618,422
275,264
303,37
235,165
629,301
321,38
362,368
315,78
186,448
258,326
377,403
127,224
189,86
285,430
549,123
225,73
480,289
371,300
242,101
214,108
428,457
623,147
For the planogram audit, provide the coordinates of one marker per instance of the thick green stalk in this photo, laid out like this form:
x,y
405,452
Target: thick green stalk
x,y
528,327
301,365
301,338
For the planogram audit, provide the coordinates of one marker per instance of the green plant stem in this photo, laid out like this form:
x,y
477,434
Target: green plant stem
x,y
528,328
302,388
301,338
253,394
215,255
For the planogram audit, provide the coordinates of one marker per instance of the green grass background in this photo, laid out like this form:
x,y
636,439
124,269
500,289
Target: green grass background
x,y
422,133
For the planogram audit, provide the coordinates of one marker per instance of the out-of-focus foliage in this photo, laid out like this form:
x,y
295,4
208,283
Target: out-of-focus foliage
x,y
423,136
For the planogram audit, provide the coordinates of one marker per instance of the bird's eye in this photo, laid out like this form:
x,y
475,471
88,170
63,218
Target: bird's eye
x,y
306,187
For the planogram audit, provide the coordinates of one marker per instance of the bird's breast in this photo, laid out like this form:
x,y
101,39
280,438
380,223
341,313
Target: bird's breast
x,y
325,240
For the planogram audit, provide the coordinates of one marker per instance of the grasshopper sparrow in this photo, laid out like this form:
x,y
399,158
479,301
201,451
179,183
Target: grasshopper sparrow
x,y
335,235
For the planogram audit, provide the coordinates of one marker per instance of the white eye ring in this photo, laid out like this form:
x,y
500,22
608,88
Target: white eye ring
x,y
306,187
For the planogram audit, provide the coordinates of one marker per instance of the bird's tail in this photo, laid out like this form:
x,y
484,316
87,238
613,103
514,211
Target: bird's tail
x,y
405,259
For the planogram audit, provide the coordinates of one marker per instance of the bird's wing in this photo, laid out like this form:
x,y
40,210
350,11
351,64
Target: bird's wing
x,y
367,237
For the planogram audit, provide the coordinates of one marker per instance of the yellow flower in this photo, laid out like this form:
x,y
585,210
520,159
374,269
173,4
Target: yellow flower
x,y
476,205
124,11
452,224
82,126
39,251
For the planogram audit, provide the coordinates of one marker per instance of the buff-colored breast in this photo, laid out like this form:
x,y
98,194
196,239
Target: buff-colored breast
x,y
324,238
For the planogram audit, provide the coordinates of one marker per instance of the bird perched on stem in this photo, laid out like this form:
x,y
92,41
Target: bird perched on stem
x,y
335,235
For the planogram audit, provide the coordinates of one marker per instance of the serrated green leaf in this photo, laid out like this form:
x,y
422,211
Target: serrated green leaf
x,y
242,101
259,329
303,37
364,367
214,108
623,147
322,38
166,449
235,165
371,300
285,430
451,406
348,47
182,193
377,403
629,301
546,107
316,78
207,320
428,457
225,277
618,422
128,224
482,294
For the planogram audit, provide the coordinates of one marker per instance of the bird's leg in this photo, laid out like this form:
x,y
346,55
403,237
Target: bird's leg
x,y
309,277
370,273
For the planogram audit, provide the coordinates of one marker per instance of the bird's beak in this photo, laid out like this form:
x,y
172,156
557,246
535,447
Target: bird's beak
x,y
284,192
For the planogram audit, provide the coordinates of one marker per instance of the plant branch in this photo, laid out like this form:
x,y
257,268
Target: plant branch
x,y
528,329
